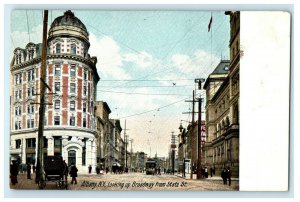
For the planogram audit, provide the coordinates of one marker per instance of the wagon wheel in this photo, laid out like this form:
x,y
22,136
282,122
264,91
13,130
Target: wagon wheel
x,y
42,184
62,184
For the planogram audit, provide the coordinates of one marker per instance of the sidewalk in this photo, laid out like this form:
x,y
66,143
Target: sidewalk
x,y
214,178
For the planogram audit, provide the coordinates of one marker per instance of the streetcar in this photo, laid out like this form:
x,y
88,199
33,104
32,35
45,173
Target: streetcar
x,y
150,167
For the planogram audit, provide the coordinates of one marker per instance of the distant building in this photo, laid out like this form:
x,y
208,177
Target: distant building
x,y
221,148
69,127
102,132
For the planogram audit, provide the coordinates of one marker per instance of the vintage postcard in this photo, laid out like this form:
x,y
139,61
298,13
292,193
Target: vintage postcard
x,y
125,100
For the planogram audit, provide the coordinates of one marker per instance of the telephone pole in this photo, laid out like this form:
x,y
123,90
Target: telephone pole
x,y
173,146
192,135
40,165
199,165
125,142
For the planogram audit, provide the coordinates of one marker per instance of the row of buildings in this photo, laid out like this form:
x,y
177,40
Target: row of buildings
x,y
76,127
220,130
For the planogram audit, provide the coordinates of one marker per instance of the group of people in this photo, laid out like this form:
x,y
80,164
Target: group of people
x,y
226,175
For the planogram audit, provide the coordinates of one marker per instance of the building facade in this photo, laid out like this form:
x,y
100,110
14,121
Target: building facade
x,y
102,133
70,126
222,108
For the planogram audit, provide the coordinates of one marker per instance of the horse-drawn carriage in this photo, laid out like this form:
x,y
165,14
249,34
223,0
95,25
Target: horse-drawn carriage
x,y
55,170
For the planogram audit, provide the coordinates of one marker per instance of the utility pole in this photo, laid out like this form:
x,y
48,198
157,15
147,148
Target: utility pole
x,y
199,165
192,134
173,146
40,165
125,142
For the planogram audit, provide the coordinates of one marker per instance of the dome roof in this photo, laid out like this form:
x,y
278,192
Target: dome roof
x,y
68,26
68,19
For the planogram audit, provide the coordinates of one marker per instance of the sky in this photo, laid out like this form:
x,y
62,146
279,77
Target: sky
x,y
147,62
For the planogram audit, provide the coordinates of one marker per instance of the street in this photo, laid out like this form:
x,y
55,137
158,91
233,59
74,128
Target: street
x,y
134,181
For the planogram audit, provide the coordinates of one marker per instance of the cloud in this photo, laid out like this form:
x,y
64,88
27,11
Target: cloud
x,y
142,60
200,63
108,52
21,39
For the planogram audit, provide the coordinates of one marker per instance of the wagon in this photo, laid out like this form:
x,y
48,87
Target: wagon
x,y
55,170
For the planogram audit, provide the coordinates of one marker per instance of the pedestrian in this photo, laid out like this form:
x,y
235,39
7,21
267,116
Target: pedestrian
x,y
28,171
73,173
90,169
206,172
98,170
66,170
33,168
14,172
224,175
211,171
229,175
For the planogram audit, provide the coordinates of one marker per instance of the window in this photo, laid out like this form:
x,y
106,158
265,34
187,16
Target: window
x,y
73,48
84,75
45,142
57,86
58,47
18,78
18,144
57,141
72,88
72,105
32,91
72,121
28,92
57,70
30,123
30,143
18,125
84,90
56,120
18,94
18,110
73,71
30,75
57,104
84,107
84,122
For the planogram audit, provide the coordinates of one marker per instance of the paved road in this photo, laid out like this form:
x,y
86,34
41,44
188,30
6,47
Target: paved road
x,y
134,181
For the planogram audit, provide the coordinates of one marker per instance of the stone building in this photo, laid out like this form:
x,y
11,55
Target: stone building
x,y
70,126
102,132
222,108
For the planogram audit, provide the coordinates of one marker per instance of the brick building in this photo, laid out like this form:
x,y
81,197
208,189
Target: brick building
x,y
71,73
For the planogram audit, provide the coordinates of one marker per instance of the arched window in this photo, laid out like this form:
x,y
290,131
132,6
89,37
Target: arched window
x,y
73,48
72,157
58,48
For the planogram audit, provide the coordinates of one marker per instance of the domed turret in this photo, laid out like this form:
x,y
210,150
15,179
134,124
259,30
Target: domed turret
x,y
68,26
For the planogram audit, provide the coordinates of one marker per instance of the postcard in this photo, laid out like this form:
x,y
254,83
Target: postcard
x,y
144,100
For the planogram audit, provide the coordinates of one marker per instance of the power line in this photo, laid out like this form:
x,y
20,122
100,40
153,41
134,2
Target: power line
x,y
27,26
139,93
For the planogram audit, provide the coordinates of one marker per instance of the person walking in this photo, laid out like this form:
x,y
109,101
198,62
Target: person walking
x,y
90,169
73,173
229,175
33,168
28,171
14,172
224,175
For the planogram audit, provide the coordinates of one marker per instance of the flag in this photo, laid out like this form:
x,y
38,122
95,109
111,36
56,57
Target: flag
x,y
210,21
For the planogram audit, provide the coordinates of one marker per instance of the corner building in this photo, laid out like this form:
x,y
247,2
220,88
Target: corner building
x,y
70,127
